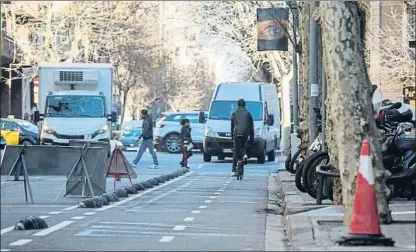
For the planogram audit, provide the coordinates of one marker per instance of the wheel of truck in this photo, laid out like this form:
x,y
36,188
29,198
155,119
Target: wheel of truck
x,y
172,143
221,158
207,158
271,156
262,158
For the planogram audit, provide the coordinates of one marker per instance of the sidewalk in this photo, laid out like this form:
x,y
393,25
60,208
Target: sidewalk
x,y
316,228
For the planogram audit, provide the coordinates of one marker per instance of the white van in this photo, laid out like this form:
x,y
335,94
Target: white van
x,y
261,101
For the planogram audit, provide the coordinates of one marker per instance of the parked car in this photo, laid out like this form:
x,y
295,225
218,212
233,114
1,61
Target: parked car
x,y
129,137
167,129
28,132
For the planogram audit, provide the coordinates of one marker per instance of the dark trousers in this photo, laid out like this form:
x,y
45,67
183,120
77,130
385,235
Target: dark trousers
x,y
185,156
239,150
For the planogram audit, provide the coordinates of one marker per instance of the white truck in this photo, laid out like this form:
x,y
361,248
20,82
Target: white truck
x,y
75,102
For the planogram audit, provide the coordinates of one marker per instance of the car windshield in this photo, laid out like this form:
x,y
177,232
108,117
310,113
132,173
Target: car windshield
x,y
27,125
75,106
132,133
222,110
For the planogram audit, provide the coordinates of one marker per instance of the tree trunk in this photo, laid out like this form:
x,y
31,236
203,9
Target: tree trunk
x,y
350,109
125,92
304,88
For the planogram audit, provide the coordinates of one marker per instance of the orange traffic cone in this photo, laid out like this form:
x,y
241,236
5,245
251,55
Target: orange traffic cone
x,y
365,226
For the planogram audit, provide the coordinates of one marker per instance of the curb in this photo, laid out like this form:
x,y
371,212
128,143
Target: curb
x,y
107,198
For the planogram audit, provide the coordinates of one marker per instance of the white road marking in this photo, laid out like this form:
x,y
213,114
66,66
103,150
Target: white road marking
x,y
44,216
90,213
217,193
200,166
70,208
202,207
212,197
20,242
6,230
196,211
78,218
220,190
53,228
143,193
4,250
405,212
188,219
167,238
207,201
56,212
179,228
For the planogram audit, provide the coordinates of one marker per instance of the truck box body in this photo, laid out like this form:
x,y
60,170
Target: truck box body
x,y
75,100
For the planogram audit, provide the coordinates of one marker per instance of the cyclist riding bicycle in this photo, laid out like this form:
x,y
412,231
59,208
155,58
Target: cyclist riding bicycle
x,y
242,128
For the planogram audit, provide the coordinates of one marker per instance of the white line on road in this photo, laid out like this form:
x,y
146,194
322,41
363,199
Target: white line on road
x,y
196,211
6,230
189,219
78,218
179,228
20,242
4,250
143,193
166,238
200,166
207,201
202,207
220,190
56,212
70,208
212,197
53,228
90,213
217,193
44,216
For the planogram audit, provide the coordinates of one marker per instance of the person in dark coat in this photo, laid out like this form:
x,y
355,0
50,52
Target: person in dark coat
x,y
186,140
242,127
147,135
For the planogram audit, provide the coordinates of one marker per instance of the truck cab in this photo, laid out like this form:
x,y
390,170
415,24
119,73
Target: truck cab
x,y
75,102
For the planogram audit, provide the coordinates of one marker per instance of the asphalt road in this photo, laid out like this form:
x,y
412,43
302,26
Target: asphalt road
x,y
204,210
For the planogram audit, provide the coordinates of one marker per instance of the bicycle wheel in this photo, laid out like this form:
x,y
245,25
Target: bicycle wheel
x,y
242,172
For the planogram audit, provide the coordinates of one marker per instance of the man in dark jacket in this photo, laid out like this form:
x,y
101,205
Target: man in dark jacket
x,y
147,135
186,140
242,127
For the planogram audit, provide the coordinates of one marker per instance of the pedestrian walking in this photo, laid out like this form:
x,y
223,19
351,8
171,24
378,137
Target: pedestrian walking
x,y
186,142
147,135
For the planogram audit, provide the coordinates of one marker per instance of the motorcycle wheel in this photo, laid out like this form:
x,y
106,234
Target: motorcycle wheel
x,y
292,162
298,177
287,162
310,160
312,178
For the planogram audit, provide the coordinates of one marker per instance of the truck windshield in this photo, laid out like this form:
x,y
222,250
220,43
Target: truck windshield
x,y
222,110
75,106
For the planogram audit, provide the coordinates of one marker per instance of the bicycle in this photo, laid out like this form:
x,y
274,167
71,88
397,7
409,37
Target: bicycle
x,y
239,170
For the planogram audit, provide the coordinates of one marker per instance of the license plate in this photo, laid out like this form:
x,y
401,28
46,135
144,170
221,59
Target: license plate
x,y
131,145
228,151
